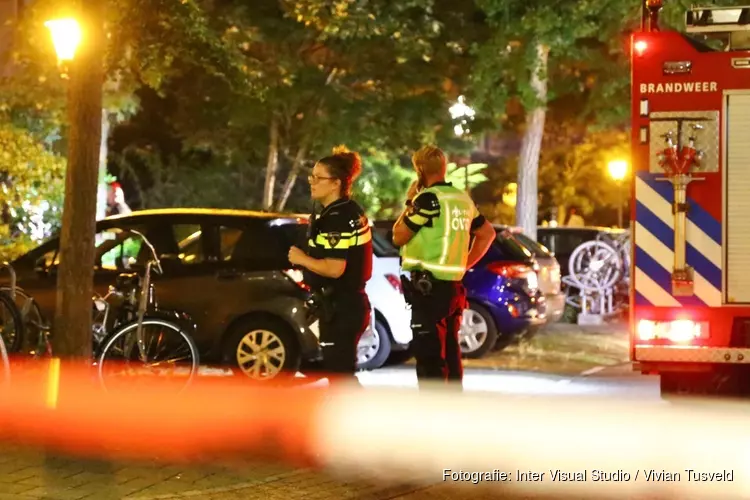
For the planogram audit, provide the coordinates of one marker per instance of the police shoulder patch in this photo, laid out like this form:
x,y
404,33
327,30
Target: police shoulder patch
x,y
333,238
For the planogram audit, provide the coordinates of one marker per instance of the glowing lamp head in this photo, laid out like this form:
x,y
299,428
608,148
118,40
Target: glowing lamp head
x,y
640,47
618,169
66,36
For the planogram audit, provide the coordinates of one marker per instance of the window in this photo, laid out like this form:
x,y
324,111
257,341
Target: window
x,y
118,249
266,247
189,243
228,238
510,249
532,245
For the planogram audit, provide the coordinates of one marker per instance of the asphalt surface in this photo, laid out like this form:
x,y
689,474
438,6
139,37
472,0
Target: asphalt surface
x,y
618,381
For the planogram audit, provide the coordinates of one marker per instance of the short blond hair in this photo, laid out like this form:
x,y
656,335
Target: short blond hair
x,y
430,160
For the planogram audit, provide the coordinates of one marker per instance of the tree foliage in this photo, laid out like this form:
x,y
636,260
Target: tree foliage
x,y
30,191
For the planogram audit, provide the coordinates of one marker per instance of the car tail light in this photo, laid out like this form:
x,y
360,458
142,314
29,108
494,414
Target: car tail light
x,y
296,276
395,282
678,331
513,310
516,271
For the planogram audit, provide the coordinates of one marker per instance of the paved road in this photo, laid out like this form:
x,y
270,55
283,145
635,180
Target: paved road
x,y
27,475
618,381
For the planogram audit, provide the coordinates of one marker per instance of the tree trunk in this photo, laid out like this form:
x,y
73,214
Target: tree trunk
x,y
562,214
76,271
272,164
101,192
292,177
528,162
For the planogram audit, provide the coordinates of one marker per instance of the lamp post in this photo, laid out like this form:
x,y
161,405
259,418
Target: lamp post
x,y
79,42
618,170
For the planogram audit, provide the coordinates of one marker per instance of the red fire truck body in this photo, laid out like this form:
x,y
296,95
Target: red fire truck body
x,y
690,217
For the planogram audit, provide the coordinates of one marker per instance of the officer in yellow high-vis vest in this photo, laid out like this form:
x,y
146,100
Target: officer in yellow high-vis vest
x,y
441,234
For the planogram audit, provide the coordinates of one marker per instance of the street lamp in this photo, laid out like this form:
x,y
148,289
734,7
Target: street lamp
x,y
463,112
66,37
75,273
618,169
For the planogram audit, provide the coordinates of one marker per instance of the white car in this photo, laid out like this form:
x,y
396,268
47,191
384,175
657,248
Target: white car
x,y
389,335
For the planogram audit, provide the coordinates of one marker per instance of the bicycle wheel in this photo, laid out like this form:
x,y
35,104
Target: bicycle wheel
x,y
5,368
167,349
35,337
595,266
12,322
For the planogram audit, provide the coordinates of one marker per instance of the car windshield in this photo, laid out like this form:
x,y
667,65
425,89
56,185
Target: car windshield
x,y
510,248
535,247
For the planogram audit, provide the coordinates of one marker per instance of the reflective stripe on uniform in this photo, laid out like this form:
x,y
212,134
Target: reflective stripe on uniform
x,y
433,267
342,241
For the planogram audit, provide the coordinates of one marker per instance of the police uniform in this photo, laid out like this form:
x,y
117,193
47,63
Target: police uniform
x,y
442,218
341,231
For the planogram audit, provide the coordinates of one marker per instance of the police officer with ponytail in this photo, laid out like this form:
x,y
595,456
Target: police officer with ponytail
x,y
441,234
337,262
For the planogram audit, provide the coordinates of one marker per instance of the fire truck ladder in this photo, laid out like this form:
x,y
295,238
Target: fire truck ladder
x,y
730,24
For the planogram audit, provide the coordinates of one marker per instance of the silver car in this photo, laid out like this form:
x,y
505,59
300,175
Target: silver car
x,y
550,281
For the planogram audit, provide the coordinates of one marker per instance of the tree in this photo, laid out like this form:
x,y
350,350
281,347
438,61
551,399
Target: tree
x,y
574,172
143,43
374,78
540,51
76,270
31,194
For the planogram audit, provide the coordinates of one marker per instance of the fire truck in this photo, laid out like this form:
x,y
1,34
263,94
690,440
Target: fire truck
x,y
690,265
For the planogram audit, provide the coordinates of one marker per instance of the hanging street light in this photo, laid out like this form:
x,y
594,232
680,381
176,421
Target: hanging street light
x,y
66,37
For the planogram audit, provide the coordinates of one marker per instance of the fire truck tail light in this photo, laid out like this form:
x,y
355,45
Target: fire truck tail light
x,y
678,331
640,47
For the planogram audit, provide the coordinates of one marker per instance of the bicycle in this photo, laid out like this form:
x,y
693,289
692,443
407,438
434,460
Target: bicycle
x,y
600,267
129,311
7,303
601,263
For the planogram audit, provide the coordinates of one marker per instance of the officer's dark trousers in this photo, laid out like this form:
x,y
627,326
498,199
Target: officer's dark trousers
x,y
340,335
436,320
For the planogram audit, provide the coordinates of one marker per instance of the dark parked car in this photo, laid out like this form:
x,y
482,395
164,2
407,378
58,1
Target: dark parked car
x,y
228,269
503,292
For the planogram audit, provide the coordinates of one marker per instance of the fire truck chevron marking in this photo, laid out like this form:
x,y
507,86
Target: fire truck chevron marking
x,y
654,252
660,237
697,213
703,231
649,292
655,260
662,276
676,87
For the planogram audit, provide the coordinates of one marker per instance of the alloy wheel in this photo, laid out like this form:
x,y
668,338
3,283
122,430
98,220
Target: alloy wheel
x,y
473,332
261,354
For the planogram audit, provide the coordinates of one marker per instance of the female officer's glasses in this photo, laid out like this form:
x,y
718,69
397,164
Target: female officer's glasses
x,y
314,179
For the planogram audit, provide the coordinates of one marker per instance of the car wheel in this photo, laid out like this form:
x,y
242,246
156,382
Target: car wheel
x,y
478,333
374,347
262,350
